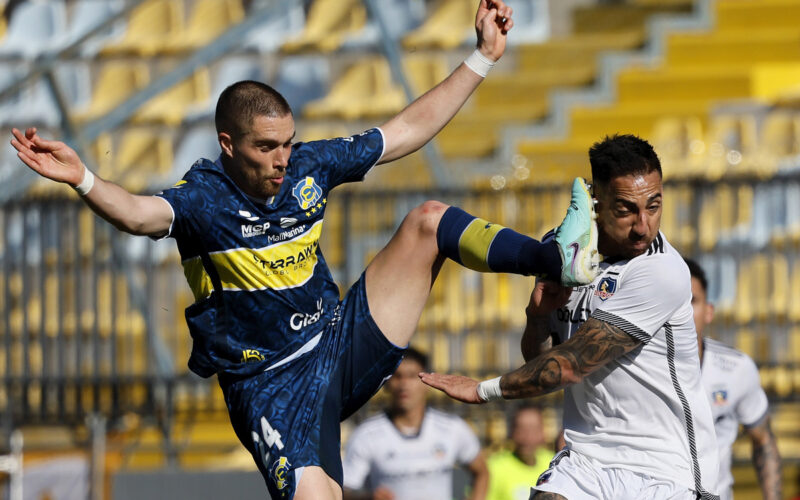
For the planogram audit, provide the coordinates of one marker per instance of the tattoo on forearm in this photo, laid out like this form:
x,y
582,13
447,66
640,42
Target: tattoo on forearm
x,y
767,462
593,345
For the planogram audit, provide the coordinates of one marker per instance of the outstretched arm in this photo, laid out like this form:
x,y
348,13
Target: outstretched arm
x,y
766,459
595,344
141,215
425,117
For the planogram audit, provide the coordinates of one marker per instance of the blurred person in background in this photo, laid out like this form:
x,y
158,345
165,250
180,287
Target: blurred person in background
x,y
731,381
409,451
513,472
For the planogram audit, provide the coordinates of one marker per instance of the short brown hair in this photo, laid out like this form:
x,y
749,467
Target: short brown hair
x,y
241,102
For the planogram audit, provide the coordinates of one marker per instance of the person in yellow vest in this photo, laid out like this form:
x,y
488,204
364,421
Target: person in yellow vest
x,y
512,473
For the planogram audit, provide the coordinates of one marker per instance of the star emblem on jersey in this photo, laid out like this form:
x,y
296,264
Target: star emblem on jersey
x,y
606,288
307,193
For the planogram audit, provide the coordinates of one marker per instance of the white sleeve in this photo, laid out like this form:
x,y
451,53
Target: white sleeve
x,y
467,443
356,463
647,295
752,407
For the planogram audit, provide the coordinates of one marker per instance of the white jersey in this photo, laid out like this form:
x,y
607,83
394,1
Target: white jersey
x,y
646,411
732,385
412,467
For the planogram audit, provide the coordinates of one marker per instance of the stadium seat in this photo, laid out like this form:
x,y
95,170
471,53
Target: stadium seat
x,y
224,73
286,24
143,157
302,79
446,28
35,28
763,15
170,107
198,142
531,21
33,105
116,81
327,25
208,19
85,15
151,27
365,89
731,49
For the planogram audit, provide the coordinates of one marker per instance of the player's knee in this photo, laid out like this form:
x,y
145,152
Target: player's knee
x,y
425,218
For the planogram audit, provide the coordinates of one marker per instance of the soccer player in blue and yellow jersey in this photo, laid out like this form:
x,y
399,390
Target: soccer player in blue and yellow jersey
x,y
293,359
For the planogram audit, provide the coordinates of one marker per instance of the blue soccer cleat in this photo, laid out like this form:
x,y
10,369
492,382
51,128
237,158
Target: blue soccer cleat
x,y
576,238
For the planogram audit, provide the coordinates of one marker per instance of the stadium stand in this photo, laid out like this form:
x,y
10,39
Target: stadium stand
x,y
94,319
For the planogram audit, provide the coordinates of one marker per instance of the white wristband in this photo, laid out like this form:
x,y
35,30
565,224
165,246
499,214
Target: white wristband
x,y
86,184
489,390
479,63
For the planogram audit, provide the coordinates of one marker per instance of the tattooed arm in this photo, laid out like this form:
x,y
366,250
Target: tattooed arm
x,y
766,459
595,344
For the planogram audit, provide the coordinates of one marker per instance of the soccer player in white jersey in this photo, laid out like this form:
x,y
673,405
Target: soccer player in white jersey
x,y
624,349
732,385
409,451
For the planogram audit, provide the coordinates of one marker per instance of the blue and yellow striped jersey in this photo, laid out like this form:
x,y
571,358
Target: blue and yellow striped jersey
x,y
261,285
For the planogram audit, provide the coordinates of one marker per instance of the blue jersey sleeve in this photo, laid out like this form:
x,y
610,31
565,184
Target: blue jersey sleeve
x,y
191,204
346,159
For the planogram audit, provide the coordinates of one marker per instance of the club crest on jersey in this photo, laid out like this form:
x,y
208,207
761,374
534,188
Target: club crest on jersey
x,y
280,473
307,192
719,397
606,288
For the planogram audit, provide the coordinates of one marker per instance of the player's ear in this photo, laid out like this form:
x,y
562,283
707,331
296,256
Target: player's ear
x,y
226,143
709,313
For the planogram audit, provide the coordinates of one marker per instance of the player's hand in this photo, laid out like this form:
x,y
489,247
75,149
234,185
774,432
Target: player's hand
x,y
546,297
491,29
458,387
52,159
382,493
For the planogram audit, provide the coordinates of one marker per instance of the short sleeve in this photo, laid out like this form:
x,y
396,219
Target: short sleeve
x,y
190,204
468,445
647,295
348,159
752,407
356,463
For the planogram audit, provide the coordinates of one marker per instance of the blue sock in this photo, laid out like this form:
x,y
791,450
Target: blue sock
x,y
483,246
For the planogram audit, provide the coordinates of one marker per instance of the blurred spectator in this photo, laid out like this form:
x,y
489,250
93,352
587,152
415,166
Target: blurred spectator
x,y
408,452
731,381
513,472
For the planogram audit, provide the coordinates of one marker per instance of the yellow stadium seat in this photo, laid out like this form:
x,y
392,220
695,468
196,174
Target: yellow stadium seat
x,y
744,312
328,24
116,82
732,49
151,27
208,19
446,28
734,15
794,291
171,106
779,139
347,97
141,156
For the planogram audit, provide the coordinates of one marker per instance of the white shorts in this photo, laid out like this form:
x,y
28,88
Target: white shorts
x,y
577,477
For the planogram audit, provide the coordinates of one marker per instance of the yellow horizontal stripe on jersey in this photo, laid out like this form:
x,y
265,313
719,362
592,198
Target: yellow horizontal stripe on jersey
x,y
282,265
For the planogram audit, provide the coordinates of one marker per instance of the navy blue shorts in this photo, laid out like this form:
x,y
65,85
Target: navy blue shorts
x,y
288,417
